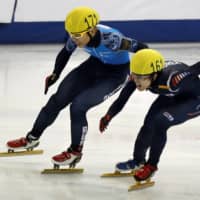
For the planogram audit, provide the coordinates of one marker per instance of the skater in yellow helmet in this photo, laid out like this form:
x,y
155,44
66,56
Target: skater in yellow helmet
x,y
81,24
81,20
146,62
176,84
88,85
144,67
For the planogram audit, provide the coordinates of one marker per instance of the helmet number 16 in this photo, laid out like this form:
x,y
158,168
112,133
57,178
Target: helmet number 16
x,y
156,66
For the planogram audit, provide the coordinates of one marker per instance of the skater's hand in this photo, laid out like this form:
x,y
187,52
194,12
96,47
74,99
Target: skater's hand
x,y
104,122
50,80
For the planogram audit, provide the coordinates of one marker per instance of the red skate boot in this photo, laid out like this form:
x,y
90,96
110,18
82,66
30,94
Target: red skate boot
x,y
143,177
70,157
22,144
145,172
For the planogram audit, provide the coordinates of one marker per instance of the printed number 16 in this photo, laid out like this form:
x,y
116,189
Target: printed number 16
x,y
156,66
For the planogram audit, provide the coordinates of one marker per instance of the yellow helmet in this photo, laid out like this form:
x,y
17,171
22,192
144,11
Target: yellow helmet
x,y
146,62
81,19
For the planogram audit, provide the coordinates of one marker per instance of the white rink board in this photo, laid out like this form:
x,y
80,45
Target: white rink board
x,y
6,10
45,10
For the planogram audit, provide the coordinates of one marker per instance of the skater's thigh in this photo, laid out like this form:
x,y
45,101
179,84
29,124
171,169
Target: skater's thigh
x,y
97,93
173,111
184,110
74,83
160,103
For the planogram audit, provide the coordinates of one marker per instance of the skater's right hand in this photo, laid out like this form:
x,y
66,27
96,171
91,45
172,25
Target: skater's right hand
x,y
104,122
50,80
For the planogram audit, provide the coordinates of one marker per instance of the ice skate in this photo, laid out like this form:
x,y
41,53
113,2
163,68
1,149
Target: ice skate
x,y
141,185
70,158
124,169
21,147
143,177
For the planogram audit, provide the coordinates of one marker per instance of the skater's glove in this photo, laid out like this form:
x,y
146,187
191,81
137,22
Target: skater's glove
x,y
50,80
104,122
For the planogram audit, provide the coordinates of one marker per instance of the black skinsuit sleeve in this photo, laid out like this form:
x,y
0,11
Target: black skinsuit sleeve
x,y
120,102
61,60
181,80
194,69
141,46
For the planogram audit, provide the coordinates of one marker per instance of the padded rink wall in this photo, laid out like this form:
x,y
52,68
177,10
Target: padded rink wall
x,y
42,21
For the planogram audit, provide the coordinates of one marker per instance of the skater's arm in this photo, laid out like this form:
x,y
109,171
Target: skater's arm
x,y
132,45
61,61
117,41
63,57
194,69
120,102
117,105
179,81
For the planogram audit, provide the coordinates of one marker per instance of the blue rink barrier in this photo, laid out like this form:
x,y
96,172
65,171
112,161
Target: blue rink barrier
x,y
143,30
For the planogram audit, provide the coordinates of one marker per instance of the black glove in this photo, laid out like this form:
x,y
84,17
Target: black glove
x,y
104,122
50,80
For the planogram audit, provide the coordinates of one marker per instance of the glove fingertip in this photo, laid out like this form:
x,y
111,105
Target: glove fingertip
x,y
46,90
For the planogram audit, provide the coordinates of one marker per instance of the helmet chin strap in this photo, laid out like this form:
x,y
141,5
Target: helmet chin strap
x,y
153,77
94,39
90,36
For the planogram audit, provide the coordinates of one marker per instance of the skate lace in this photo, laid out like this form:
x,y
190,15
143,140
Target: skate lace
x,y
131,163
144,171
23,141
66,154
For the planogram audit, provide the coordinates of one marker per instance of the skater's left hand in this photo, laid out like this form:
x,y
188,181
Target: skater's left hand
x,y
50,80
103,124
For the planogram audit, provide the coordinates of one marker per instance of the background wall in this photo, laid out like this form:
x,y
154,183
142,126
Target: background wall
x,y
6,10
41,21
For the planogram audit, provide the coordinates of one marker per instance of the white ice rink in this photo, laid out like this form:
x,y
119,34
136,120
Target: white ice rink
x,y
22,73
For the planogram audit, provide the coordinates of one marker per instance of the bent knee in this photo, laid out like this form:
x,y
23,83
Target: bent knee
x,y
77,107
160,120
163,120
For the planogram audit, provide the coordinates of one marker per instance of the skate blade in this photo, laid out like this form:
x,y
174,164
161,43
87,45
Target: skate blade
x,y
141,185
118,174
21,153
63,171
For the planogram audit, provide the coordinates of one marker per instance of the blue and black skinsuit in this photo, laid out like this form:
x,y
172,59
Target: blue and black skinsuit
x,y
178,101
89,84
